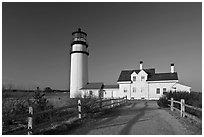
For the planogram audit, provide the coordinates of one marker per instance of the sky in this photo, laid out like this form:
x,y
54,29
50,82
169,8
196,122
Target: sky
x,y
36,41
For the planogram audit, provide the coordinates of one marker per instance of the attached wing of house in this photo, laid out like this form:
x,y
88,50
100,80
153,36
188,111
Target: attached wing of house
x,y
181,88
92,89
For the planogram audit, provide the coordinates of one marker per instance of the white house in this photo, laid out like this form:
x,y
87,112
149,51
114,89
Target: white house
x,y
146,84
137,84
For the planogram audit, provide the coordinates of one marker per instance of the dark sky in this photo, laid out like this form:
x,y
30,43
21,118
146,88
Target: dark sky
x,y
36,41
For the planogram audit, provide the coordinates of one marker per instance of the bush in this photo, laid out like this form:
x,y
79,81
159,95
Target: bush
x,y
48,89
163,102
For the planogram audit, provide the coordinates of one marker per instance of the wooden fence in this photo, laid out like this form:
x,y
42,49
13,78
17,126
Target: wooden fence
x,y
51,116
182,111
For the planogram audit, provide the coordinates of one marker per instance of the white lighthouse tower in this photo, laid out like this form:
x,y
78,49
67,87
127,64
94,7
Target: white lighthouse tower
x,y
79,63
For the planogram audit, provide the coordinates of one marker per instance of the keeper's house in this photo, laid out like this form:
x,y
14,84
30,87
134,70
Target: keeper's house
x,y
146,84
137,84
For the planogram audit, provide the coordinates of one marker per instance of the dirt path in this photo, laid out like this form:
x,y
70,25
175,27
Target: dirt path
x,y
138,118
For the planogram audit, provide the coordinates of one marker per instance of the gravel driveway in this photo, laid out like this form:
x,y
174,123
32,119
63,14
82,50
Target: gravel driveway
x,y
137,118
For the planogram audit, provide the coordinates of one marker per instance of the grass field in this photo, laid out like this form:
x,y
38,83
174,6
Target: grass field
x,y
57,99
16,103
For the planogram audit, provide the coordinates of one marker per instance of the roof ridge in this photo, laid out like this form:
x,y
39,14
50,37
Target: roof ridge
x,y
110,84
166,73
94,82
136,69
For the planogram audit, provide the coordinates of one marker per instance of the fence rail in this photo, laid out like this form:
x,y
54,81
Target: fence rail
x,y
56,109
182,111
73,111
192,107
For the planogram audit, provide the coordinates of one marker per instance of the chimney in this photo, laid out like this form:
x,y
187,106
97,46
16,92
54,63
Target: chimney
x,y
141,62
172,68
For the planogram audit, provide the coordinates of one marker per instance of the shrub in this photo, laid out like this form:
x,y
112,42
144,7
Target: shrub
x,y
48,89
163,101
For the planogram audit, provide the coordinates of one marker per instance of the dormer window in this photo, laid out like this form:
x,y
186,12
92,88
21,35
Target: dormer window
x,y
142,78
134,78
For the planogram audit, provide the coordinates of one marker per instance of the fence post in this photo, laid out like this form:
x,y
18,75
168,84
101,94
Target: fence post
x,y
100,103
30,120
172,104
182,107
118,101
79,108
126,99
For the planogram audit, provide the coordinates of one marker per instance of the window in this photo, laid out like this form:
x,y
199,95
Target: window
x,y
101,94
125,90
134,89
164,91
158,91
142,89
142,78
134,78
90,93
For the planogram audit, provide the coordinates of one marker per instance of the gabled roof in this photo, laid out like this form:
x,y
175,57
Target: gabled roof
x,y
163,76
110,86
95,85
125,75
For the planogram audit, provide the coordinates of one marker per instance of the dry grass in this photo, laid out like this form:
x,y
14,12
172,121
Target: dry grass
x,y
191,125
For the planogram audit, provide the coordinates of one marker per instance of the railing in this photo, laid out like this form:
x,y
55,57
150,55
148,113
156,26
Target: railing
x,y
51,116
182,111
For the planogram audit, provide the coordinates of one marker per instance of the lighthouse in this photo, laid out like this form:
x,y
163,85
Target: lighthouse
x,y
79,63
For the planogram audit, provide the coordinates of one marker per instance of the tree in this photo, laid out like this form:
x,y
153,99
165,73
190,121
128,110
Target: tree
x,y
48,89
